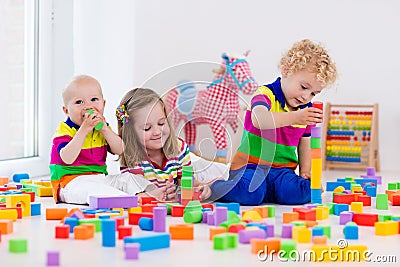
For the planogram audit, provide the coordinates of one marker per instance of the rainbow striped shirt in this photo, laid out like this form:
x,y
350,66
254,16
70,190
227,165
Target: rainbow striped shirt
x,y
158,175
92,157
272,147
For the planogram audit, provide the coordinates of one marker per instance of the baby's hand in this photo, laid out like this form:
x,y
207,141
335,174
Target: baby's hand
x,y
308,116
305,175
90,121
205,191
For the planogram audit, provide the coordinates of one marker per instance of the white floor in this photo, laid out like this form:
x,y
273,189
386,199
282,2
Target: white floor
x,y
199,252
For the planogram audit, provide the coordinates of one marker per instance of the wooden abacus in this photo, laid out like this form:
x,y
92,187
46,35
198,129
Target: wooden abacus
x,y
350,137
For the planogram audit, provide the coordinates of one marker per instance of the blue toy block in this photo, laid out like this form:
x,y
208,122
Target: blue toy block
x,y
370,190
338,208
72,222
317,231
316,193
35,208
146,224
259,225
18,176
150,242
330,186
108,232
233,206
350,230
102,217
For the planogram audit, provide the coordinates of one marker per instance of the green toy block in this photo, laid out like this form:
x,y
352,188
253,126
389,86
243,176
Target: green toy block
x,y
192,216
315,142
193,205
298,223
99,125
382,202
327,230
392,186
288,246
271,211
169,206
232,216
187,171
384,218
228,223
95,221
349,179
187,182
232,240
330,206
18,245
398,185
225,241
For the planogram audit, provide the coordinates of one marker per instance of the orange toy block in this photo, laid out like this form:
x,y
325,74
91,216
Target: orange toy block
x,y
269,245
391,193
84,231
186,194
216,230
181,231
6,226
71,212
3,180
56,213
262,210
321,240
288,217
24,199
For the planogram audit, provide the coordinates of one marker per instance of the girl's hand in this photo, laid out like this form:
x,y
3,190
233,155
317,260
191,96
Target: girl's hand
x,y
308,116
205,191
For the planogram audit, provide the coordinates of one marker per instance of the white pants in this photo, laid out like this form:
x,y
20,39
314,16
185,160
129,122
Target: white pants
x,y
80,188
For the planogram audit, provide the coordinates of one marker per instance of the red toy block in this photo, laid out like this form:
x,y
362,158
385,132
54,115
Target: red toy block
x,y
32,194
343,199
147,200
120,221
366,200
365,219
62,231
135,217
396,200
177,211
148,207
306,214
207,205
123,231
235,228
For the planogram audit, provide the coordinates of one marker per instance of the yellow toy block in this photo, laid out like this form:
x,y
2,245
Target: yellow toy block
x,y
26,181
45,192
301,234
9,214
387,228
121,211
356,207
251,215
316,173
322,213
135,210
339,189
24,199
262,210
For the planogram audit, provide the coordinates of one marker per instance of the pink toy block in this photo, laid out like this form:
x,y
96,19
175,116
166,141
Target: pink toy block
x,y
159,218
53,258
246,235
103,202
132,251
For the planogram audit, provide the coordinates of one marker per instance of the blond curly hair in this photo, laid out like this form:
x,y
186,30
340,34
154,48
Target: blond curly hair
x,y
313,57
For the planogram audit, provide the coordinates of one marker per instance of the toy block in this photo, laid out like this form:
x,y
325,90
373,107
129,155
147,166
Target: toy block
x,y
17,177
56,213
382,202
233,206
221,215
345,217
370,190
193,217
133,218
147,200
177,211
18,245
181,231
135,210
396,200
287,246
339,189
187,181
132,251
387,228
246,235
287,230
391,193
225,241
330,206
338,208
356,206
321,213
159,219
35,209
6,226
365,219
123,231
301,234
210,218
215,231
120,221
365,199
10,214
323,240
72,222
205,216
343,198
45,192
384,217
119,211
268,246
187,194
306,214
350,231
150,242
81,232
288,217
62,231
24,199
146,224
108,202
235,228
317,231
330,186
148,207
345,255
108,229
3,180
327,230
193,205
53,258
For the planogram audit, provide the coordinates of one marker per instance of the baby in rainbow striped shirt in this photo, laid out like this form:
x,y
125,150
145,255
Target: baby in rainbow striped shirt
x,y
277,129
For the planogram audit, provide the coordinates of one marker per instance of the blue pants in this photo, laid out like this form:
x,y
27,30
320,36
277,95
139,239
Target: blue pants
x,y
256,184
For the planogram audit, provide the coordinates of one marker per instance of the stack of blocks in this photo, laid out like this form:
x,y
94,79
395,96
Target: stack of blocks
x,y
316,160
187,191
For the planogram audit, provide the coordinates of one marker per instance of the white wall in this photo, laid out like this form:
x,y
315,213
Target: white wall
x,y
123,43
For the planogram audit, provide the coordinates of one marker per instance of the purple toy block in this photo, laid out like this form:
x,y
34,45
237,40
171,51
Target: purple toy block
x,y
53,258
205,215
370,171
159,218
270,230
316,132
104,202
287,230
220,215
345,217
132,251
77,215
210,218
310,206
246,235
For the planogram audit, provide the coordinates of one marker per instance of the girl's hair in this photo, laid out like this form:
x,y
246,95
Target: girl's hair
x,y
312,56
134,151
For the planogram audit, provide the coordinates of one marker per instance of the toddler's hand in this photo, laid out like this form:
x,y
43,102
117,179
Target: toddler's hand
x,y
205,191
305,175
308,116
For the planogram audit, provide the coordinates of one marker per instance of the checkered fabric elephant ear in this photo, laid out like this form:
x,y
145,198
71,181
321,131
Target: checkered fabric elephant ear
x,y
217,106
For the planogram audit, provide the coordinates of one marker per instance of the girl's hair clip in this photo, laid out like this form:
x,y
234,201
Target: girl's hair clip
x,y
121,114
